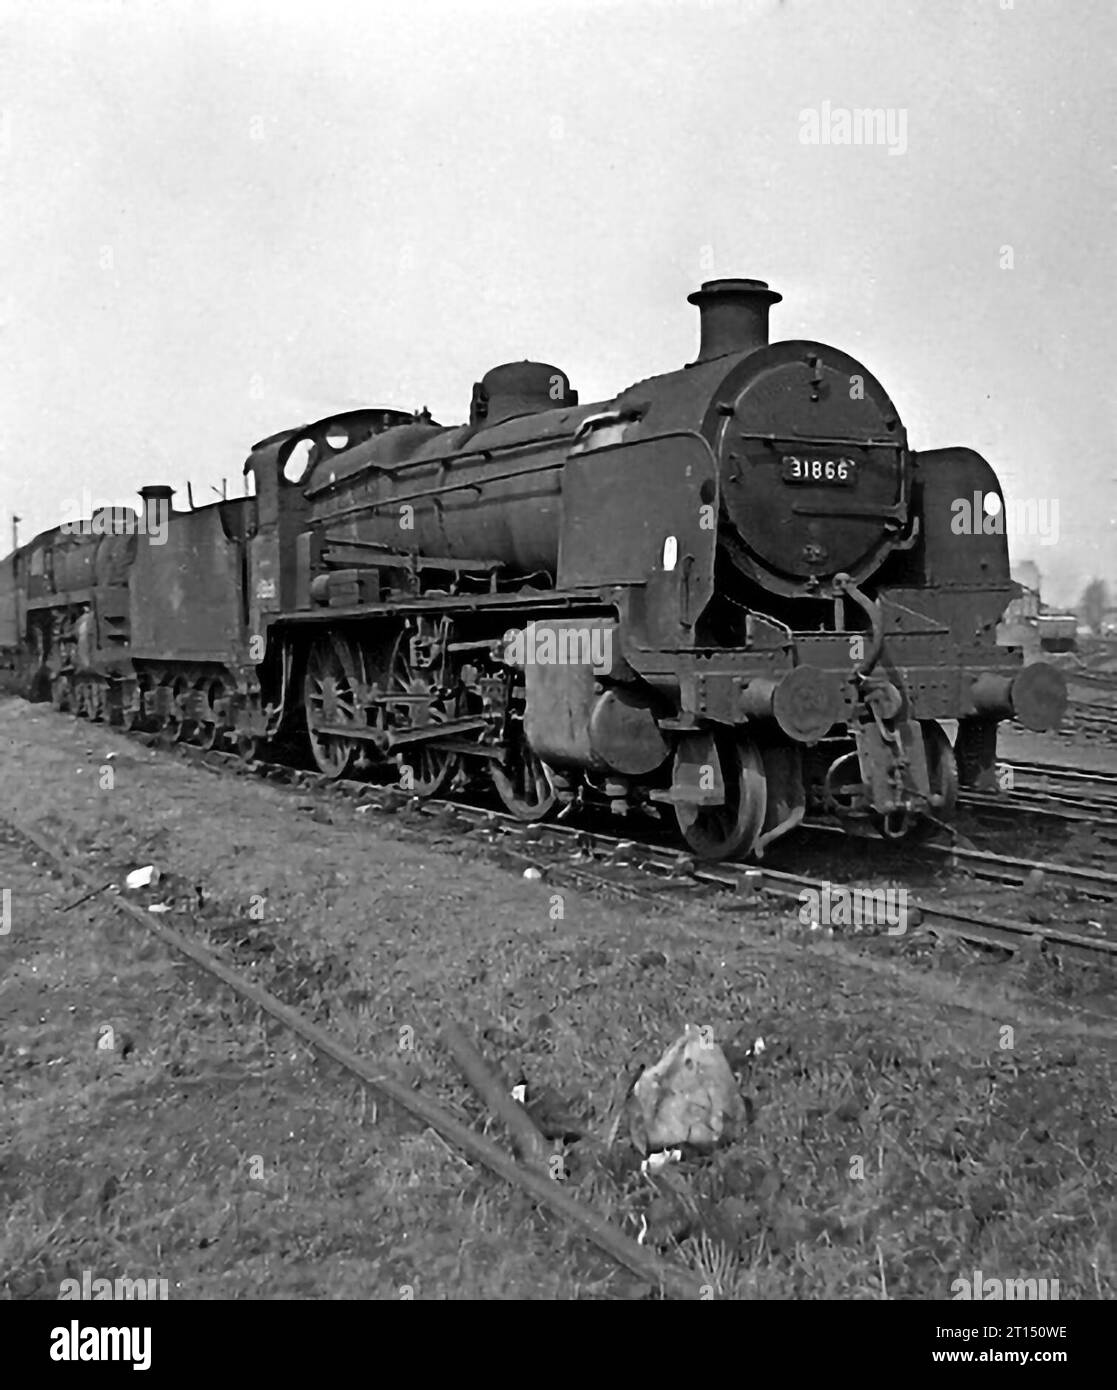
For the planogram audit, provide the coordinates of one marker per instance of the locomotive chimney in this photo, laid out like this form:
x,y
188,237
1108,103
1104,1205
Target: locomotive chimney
x,y
734,316
156,507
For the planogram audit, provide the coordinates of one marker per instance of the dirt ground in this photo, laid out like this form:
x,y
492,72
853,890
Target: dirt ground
x,y
916,1112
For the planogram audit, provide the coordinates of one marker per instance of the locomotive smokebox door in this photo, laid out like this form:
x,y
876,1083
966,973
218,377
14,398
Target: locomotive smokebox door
x,y
812,459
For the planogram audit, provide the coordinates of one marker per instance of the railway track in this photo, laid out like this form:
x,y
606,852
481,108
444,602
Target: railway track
x,y
1103,680
658,863
1053,792
1097,723
1009,869
1098,813
1063,775
1057,792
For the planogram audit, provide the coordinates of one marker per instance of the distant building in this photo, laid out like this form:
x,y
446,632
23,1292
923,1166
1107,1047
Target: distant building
x,y
1028,624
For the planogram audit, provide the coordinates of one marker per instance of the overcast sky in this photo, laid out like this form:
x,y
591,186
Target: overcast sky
x,y
219,219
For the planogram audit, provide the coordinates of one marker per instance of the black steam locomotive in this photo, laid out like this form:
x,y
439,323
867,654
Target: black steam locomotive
x,y
732,593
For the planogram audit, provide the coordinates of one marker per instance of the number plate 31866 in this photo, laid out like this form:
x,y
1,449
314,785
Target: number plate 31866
x,y
811,468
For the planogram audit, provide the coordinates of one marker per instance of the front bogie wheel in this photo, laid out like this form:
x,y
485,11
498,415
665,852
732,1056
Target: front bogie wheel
x,y
733,827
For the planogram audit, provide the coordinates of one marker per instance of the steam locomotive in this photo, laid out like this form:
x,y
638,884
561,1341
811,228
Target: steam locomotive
x,y
730,595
